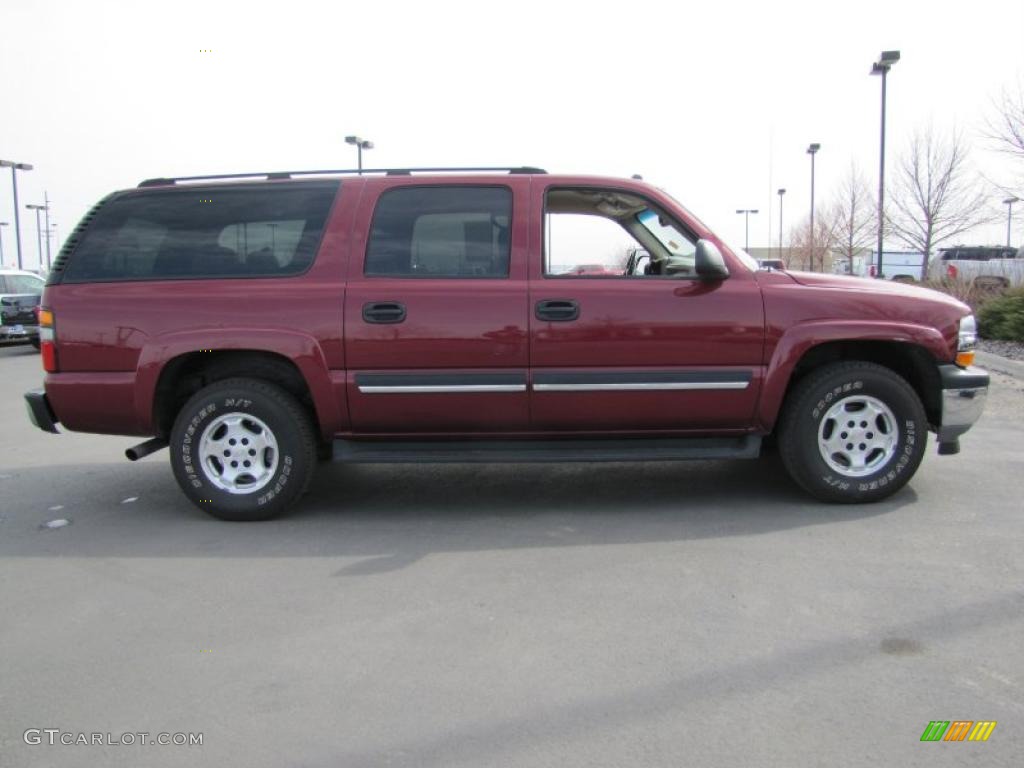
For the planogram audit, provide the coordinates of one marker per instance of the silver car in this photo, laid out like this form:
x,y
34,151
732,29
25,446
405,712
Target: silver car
x,y
20,294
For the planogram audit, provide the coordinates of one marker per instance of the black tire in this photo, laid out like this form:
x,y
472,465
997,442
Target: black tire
x,y
824,396
36,343
282,482
325,452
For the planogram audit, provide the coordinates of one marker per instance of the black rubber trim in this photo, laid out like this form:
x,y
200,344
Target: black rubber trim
x,y
533,451
643,377
955,377
438,379
39,411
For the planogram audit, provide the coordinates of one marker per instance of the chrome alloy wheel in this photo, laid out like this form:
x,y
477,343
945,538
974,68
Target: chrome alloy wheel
x,y
238,453
857,436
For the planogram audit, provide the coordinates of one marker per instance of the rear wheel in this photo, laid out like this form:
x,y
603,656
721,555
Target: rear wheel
x,y
242,450
852,432
36,343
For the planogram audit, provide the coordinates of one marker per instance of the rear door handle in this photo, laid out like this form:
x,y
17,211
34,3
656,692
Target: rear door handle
x,y
558,310
383,312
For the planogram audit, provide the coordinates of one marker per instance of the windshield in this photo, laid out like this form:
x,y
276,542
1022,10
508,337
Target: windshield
x,y
748,261
675,242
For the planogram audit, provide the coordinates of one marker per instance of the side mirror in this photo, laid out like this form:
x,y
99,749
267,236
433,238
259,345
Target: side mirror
x,y
709,262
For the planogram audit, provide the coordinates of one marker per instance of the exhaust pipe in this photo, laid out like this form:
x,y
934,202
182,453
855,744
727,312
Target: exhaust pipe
x,y
142,450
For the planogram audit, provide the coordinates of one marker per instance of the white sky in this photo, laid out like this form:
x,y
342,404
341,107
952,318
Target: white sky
x,y
702,99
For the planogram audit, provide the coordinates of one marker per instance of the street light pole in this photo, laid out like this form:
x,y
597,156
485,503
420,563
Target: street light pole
x,y
46,205
781,193
881,67
1008,202
746,215
39,230
812,150
15,167
360,145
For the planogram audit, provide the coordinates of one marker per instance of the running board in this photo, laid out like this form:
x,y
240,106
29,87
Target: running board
x,y
529,451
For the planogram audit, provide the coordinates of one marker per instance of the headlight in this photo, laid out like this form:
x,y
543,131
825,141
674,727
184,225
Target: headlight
x,y
967,338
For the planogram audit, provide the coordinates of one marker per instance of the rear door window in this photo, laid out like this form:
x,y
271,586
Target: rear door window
x,y
441,232
256,231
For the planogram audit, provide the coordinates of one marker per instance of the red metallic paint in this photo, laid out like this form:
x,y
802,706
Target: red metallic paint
x,y
804,310
472,325
300,348
667,324
761,322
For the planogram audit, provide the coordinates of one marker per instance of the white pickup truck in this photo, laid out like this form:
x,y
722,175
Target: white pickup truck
x,y
999,264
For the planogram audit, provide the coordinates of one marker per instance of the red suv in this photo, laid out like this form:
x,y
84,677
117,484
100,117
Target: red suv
x,y
258,323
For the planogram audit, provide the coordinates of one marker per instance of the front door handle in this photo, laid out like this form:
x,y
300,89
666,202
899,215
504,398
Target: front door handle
x,y
383,312
558,310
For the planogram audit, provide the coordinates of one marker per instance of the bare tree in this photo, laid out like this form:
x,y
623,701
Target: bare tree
x,y
935,197
807,254
1005,127
854,216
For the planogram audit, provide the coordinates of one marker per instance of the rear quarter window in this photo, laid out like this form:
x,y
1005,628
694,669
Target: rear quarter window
x,y
185,233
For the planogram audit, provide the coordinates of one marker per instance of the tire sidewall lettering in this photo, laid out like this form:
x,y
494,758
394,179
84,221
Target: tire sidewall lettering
x,y
830,397
887,474
189,460
193,476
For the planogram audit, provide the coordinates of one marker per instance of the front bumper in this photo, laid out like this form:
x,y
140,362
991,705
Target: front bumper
x,y
963,398
39,411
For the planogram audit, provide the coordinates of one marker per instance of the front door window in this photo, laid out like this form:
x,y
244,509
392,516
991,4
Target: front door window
x,y
611,234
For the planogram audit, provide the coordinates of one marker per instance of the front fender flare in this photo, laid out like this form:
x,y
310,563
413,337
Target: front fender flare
x,y
800,339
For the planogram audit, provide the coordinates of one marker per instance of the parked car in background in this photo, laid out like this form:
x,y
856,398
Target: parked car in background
x,y
777,264
996,264
20,292
901,266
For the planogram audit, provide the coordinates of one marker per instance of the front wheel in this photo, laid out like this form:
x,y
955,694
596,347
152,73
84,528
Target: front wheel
x,y
852,432
242,450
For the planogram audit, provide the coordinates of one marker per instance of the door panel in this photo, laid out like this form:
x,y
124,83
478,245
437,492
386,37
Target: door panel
x,y
643,353
647,354
438,354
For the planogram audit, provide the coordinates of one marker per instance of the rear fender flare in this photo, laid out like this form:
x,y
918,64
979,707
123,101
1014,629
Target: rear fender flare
x,y
301,349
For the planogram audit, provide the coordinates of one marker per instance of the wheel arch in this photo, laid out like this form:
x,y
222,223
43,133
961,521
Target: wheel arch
x,y
171,371
913,355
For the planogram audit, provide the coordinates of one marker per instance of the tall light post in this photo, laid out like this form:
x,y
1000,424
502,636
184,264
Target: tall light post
x,y
781,193
39,230
1008,202
15,167
2,224
746,215
46,205
881,67
360,145
812,150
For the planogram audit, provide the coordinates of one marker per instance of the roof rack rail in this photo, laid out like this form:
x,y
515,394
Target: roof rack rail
x,y
274,175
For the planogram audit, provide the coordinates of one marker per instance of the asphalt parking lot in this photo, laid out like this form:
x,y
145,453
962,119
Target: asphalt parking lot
x,y
614,615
